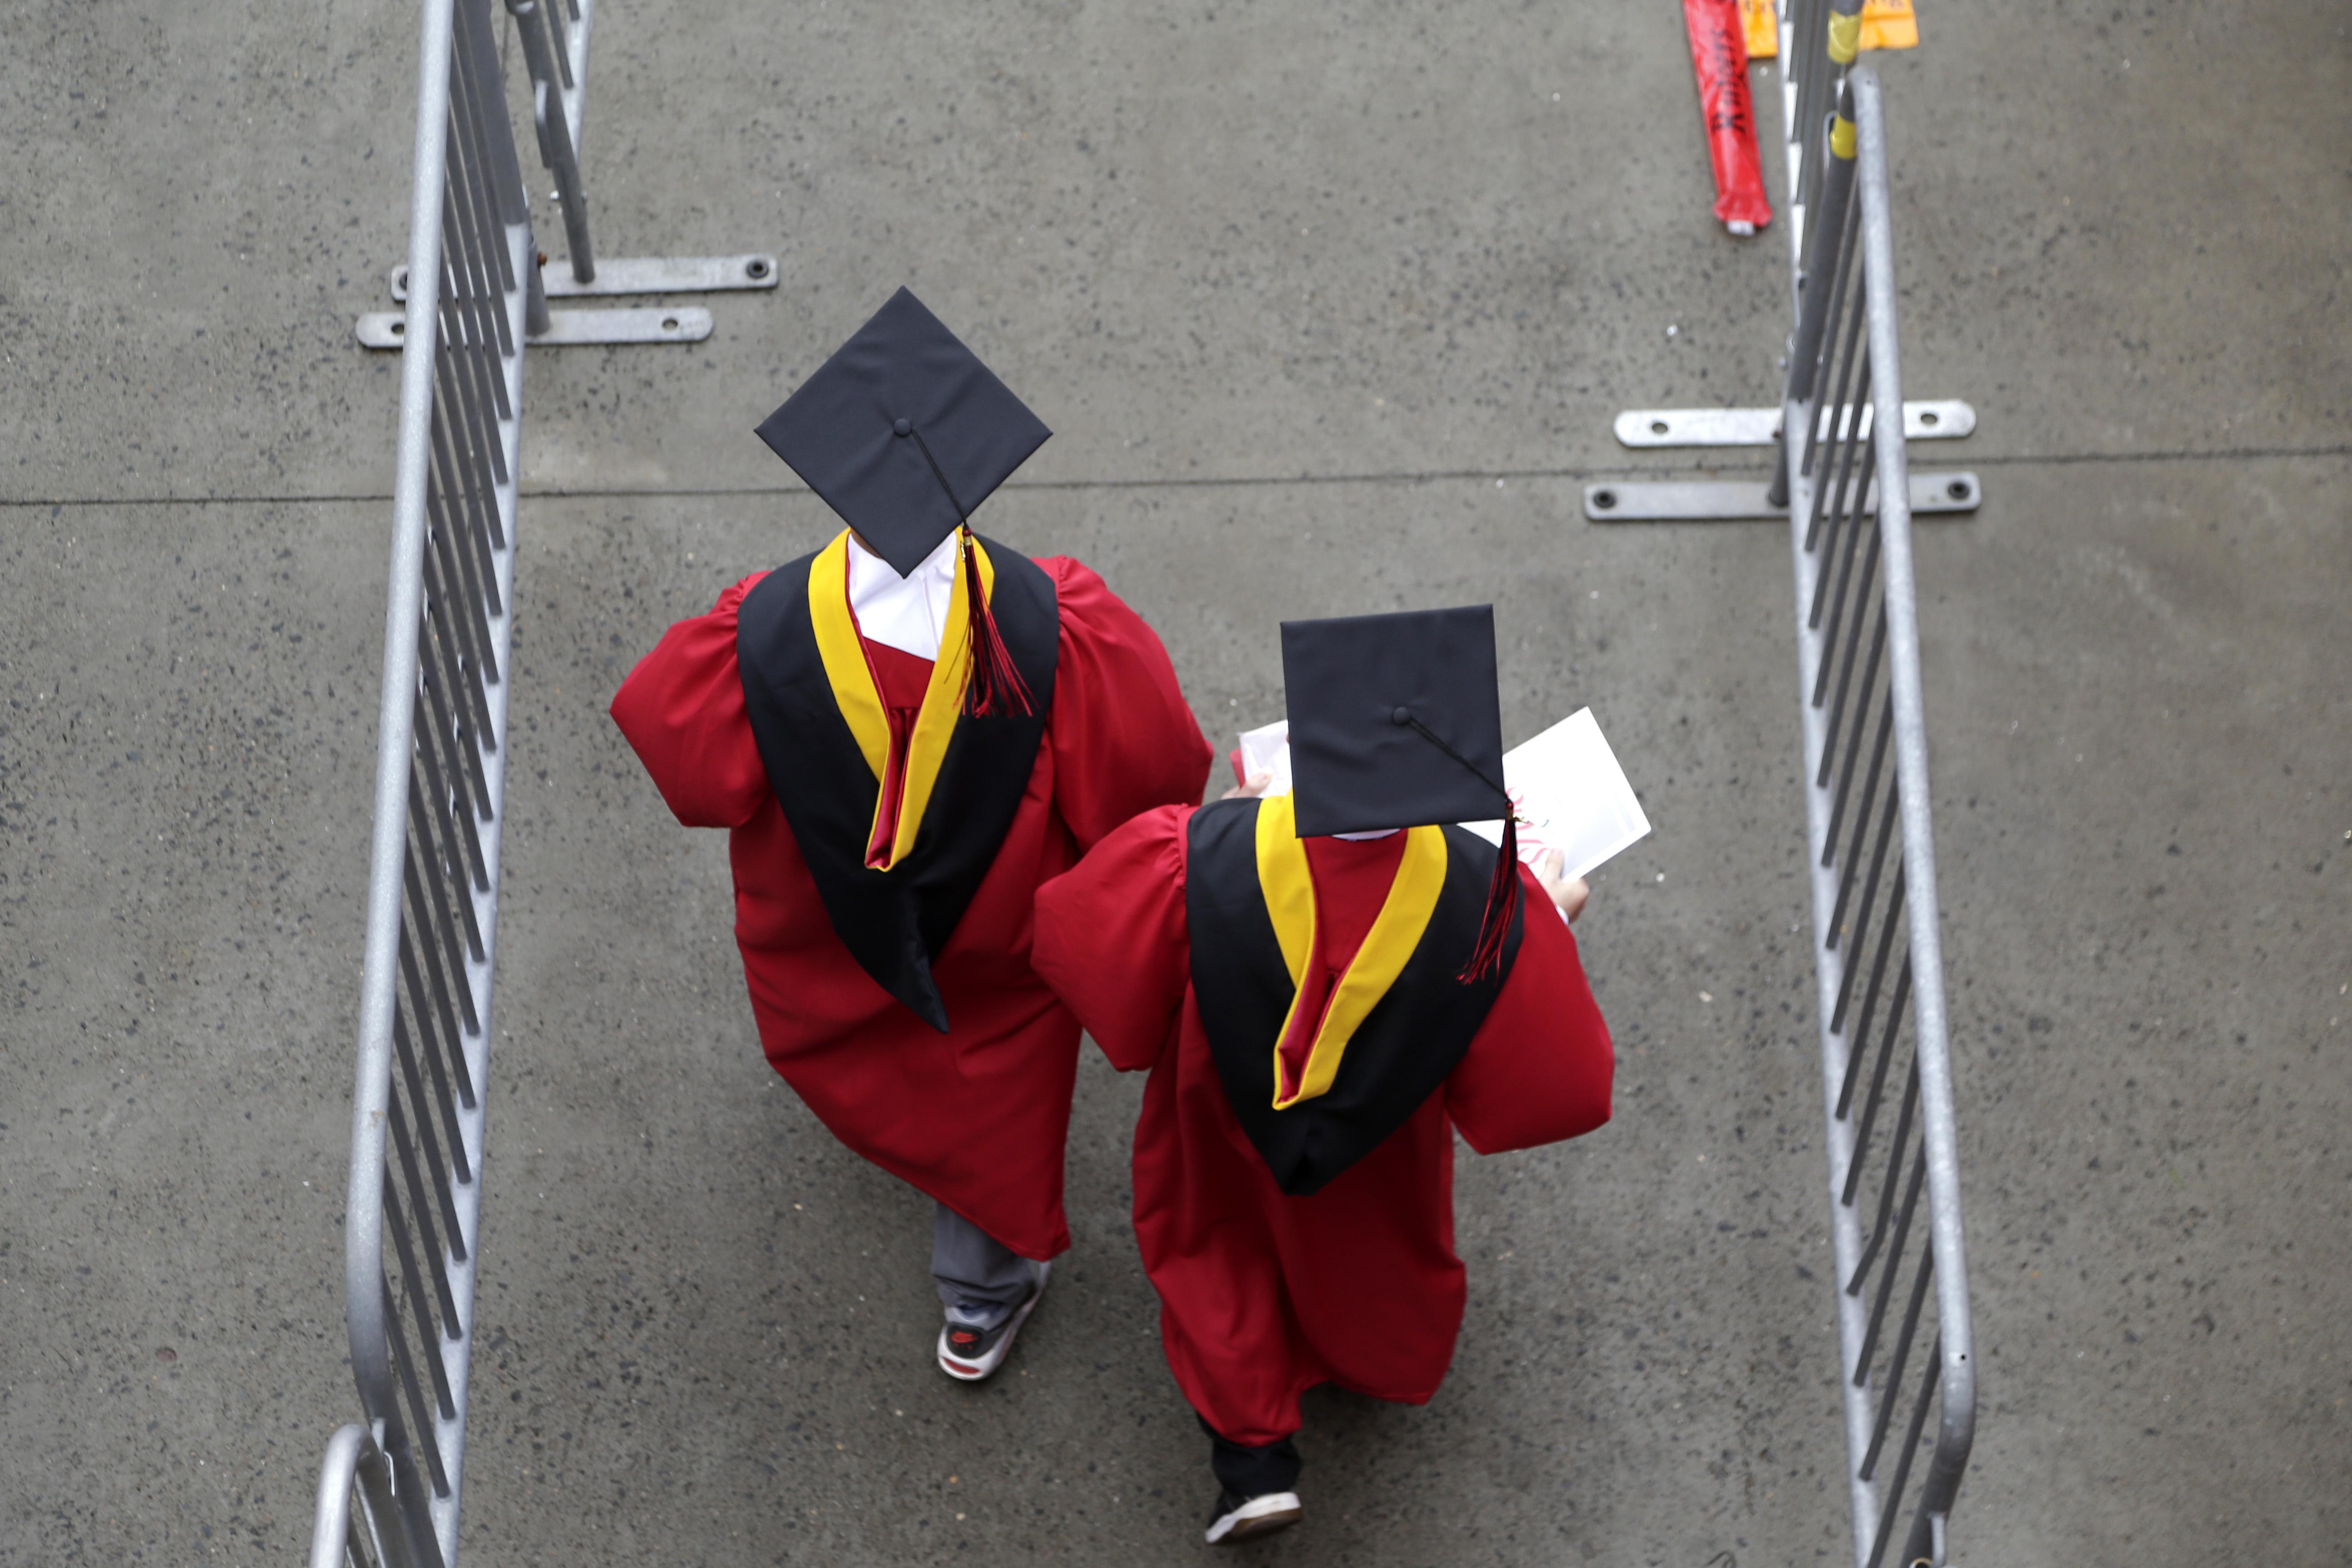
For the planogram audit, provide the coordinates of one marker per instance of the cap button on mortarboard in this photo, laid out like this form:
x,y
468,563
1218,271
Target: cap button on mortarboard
x,y
1402,716
903,427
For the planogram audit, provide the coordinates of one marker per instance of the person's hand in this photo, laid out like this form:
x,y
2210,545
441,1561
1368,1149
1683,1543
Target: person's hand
x,y
1568,892
1254,789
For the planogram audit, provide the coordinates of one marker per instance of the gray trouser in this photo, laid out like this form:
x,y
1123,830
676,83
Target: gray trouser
x,y
981,1279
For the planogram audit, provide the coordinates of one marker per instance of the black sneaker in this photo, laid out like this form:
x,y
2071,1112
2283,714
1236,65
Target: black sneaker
x,y
968,1355
1239,1519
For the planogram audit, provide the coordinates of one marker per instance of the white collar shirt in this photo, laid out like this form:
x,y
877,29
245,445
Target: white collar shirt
x,y
909,613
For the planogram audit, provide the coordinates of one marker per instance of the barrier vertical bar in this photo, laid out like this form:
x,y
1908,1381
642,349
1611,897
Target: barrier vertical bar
x,y
1845,1229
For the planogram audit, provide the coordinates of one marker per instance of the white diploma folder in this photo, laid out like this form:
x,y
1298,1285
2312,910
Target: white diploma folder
x,y
1267,750
1571,796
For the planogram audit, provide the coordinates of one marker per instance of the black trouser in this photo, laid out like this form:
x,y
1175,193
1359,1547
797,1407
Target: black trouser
x,y
1248,1472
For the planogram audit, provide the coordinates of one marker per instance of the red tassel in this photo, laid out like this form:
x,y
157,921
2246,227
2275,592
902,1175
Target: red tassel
x,y
996,688
1502,903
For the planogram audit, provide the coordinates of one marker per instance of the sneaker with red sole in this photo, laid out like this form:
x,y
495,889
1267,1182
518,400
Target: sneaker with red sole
x,y
968,1355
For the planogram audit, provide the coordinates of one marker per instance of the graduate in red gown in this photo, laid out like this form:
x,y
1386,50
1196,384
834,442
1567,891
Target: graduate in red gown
x,y
1321,1005
904,733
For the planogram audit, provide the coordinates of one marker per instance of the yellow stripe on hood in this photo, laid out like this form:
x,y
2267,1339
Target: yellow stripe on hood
x,y
854,691
1289,892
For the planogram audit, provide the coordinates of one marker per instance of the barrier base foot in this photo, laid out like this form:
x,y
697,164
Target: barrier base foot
x,y
1941,419
645,275
656,324
1740,500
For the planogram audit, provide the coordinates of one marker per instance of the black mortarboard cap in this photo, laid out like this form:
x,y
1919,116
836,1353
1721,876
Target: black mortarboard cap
x,y
1395,720
903,432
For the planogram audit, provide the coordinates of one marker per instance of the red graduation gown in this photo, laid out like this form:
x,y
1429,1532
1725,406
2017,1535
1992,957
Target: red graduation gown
x,y
976,1118
1263,1295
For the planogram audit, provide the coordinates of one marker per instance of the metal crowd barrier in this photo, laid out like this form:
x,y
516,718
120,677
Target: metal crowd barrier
x,y
1842,479
412,1227
474,296
553,36
1902,1276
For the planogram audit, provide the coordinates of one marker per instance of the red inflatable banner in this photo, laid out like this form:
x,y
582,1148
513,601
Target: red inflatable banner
x,y
1720,55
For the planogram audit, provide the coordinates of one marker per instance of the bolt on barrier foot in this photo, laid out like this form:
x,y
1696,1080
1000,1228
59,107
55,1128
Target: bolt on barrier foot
x,y
1904,1334
553,35
412,1225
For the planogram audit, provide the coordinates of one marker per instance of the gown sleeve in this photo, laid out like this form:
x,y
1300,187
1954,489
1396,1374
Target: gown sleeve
x,y
682,710
1124,739
1111,938
1539,1068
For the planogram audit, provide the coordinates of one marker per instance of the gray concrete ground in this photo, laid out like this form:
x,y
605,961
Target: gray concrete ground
x,y
1331,306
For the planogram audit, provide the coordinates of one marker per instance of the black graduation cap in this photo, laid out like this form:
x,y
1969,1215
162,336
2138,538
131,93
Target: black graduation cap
x,y
904,432
1396,722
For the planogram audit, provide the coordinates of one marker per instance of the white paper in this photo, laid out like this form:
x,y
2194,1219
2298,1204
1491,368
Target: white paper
x,y
1571,796
1267,750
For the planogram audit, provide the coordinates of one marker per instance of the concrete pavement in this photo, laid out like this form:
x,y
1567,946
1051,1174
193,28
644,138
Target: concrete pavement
x,y
1330,309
